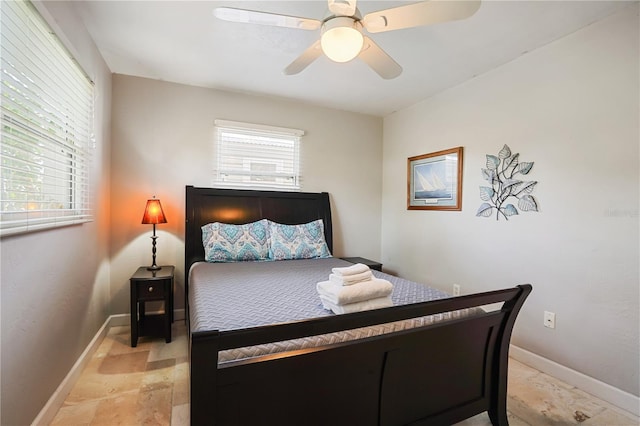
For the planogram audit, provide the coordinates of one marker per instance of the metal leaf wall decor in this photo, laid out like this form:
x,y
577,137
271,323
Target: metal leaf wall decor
x,y
504,173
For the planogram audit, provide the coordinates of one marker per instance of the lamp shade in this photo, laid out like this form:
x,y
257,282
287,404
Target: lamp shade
x,y
153,213
341,39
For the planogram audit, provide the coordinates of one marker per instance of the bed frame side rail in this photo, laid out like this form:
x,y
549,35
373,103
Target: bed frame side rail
x,y
205,347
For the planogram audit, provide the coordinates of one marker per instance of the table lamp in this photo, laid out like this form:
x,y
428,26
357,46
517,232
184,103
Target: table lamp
x,y
153,214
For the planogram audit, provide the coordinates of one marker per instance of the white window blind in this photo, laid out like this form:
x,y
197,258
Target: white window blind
x,y
47,126
256,156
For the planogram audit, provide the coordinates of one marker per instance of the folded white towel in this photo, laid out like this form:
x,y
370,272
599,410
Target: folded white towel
x,y
356,268
350,279
359,292
380,302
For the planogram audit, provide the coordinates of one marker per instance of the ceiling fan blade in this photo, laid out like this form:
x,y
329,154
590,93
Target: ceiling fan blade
x,y
265,18
311,54
417,14
379,61
342,7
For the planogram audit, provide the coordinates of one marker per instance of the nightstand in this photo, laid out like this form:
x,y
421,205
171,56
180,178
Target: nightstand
x,y
149,286
370,263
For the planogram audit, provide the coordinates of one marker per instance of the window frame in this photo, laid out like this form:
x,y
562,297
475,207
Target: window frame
x,y
47,125
227,137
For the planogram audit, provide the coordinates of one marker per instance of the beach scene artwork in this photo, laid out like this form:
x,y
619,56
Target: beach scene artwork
x,y
433,181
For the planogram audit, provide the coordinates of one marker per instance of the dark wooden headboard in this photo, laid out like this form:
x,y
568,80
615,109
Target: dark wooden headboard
x,y
206,205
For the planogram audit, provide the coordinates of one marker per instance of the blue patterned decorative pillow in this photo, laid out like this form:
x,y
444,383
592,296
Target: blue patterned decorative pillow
x,y
305,241
224,242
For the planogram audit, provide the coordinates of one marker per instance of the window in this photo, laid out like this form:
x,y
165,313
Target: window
x,y
47,126
256,156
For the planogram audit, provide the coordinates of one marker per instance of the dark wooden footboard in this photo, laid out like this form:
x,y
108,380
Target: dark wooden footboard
x,y
434,375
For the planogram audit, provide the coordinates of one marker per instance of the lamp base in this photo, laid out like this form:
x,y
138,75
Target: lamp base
x,y
154,268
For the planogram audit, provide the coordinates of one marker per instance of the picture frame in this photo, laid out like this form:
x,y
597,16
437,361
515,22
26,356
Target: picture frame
x,y
434,180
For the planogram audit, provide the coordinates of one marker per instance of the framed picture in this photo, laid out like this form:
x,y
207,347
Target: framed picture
x,y
434,181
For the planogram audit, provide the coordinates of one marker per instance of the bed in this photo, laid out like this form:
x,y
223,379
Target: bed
x,y
432,372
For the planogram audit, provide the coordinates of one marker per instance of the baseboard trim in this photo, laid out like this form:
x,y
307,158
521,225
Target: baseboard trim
x,y
56,400
119,320
625,401
178,314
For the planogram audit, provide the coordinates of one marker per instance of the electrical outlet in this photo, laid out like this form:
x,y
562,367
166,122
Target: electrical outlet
x,y
549,319
456,289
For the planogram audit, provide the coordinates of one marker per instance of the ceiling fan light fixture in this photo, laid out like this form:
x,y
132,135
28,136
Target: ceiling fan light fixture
x,y
341,39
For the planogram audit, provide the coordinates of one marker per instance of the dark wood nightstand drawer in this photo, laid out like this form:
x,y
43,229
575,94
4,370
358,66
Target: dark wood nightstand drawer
x,y
151,290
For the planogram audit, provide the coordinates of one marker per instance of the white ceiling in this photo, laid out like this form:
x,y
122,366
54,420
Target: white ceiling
x,y
181,41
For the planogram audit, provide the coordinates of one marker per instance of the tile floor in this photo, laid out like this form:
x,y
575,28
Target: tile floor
x,y
121,385
149,385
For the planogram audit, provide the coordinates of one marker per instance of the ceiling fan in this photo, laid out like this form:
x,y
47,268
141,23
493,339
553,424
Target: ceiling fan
x,y
342,37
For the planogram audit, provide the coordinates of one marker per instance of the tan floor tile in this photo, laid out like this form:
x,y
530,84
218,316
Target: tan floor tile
x,y
610,417
545,378
179,328
516,421
543,400
482,419
154,404
159,374
92,385
178,347
122,343
180,415
520,372
181,385
77,415
134,362
103,348
119,410
610,407
161,364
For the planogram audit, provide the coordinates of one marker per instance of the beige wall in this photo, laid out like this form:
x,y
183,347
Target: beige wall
x,y
572,108
55,283
163,139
